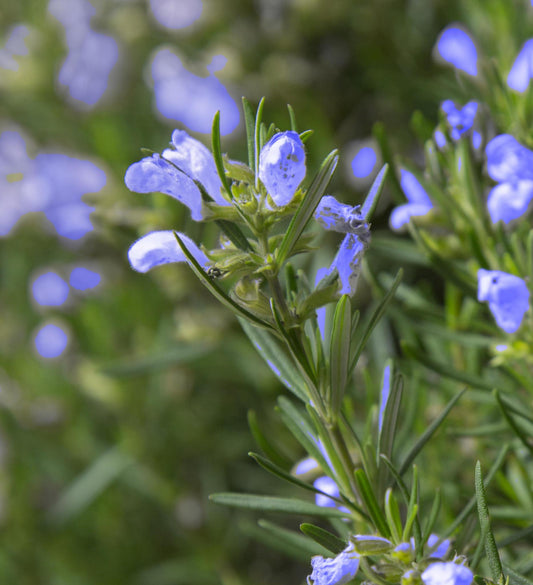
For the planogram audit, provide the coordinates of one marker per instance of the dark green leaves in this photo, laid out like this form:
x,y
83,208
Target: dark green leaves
x,y
275,504
339,362
486,532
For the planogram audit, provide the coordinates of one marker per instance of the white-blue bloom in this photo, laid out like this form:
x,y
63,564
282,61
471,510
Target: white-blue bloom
x,y
522,69
348,220
457,48
282,166
442,550
336,571
508,160
460,120
419,201
507,295
511,164
157,248
447,574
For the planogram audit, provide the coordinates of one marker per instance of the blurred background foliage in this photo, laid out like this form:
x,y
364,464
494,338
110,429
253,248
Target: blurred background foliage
x,y
108,452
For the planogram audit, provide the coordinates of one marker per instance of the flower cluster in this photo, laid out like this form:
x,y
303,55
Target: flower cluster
x,y
187,171
394,560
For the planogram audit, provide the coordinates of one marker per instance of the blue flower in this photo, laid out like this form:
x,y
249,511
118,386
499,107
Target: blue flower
x,y
328,486
442,550
282,166
339,217
507,295
86,69
457,48
175,14
363,162
509,201
460,120
440,139
175,172
196,161
511,164
336,571
447,574
191,99
508,160
522,69
157,248
419,201
348,220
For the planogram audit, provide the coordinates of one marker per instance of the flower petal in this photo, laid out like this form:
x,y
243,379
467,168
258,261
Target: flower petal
x,y
402,214
447,574
442,550
348,263
157,248
282,166
327,485
195,160
509,201
456,47
155,174
332,215
460,120
508,160
507,295
337,571
413,190
522,69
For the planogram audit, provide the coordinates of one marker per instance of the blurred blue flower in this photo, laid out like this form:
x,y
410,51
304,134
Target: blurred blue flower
x,y
51,341
522,69
336,571
50,290
51,183
457,48
282,166
447,574
328,486
84,279
476,139
67,179
92,55
161,247
507,296
511,164
440,139
508,160
460,120
509,201
176,14
86,69
442,550
363,162
192,100
15,46
306,465
419,201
